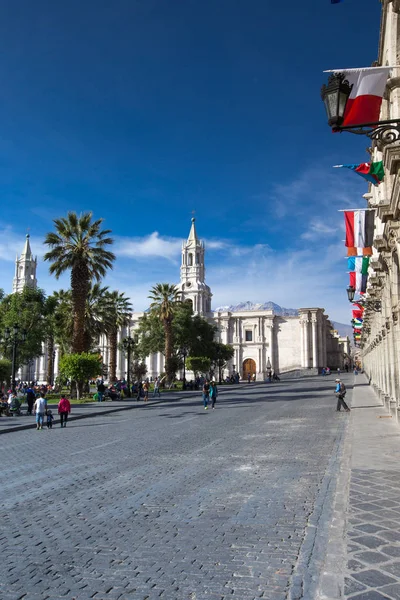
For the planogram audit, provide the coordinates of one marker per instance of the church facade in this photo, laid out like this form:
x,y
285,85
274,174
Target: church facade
x,y
263,341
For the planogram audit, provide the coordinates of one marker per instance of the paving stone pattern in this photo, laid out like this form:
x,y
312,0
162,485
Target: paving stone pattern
x,y
178,503
374,535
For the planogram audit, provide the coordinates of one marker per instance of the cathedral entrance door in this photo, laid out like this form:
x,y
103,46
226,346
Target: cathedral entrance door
x,y
249,368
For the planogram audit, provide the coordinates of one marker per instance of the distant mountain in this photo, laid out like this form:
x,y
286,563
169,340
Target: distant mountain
x,y
343,329
278,310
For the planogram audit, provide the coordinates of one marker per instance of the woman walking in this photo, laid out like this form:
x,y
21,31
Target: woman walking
x,y
206,394
64,409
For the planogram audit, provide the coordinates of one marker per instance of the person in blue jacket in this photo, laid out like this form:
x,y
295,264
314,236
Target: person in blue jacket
x,y
340,392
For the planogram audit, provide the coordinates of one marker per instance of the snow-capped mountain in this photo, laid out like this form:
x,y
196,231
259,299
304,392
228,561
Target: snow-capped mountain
x,y
278,310
341,328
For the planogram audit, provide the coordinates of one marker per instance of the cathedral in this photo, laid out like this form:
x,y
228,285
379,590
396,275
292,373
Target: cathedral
x,y
262,341
293,345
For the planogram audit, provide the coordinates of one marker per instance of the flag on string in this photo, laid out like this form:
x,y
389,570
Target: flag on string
x,y
359,232
367,88
357,314
372,172
358,322
358,281
359,264
359,306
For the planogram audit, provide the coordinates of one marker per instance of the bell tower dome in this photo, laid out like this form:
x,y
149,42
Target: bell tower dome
x,y
192,285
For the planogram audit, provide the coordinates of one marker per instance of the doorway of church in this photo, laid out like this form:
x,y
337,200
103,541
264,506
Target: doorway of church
x,y
249,368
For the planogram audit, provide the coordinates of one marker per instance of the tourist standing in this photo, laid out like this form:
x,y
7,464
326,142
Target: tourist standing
x,y
206,394
213,393
146,391
64,409
101,388
30,399
49,419
157,387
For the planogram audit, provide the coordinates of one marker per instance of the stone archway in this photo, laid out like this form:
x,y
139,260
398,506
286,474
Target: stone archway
x,y
249,368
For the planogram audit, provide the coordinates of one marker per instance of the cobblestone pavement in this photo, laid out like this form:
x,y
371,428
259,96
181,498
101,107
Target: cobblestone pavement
x,y
373,568
175,502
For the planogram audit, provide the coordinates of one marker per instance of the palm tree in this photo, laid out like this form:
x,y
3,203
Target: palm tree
x,y
118,310
95,317
164,300
79,245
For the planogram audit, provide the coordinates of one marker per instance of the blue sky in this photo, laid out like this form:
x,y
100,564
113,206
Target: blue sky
x,y
144,110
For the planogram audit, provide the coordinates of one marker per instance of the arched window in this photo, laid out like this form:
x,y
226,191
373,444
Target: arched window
x,y
197,258
190,259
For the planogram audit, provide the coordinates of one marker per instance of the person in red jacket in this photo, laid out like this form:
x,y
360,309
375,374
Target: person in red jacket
x,y
64,408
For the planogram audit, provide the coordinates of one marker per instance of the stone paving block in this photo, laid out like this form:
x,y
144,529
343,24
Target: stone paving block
x,y
371,557
373,578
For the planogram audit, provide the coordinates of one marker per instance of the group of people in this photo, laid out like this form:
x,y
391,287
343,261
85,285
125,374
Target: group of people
x,y
41,412
210,393
37,405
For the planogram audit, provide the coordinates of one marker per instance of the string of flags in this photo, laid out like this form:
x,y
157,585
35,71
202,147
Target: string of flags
x,y
359,237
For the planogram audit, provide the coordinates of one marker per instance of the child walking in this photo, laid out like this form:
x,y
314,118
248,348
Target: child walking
x,y
49,419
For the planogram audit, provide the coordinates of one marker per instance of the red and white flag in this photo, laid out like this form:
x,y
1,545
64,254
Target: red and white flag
x,y
359,232
364,103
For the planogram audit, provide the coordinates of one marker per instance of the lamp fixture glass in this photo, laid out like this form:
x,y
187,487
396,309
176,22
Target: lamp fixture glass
x,y
350,293
335,96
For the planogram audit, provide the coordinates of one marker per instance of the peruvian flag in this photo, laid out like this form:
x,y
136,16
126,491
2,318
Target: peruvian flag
x,y
364,103
359,232
359,282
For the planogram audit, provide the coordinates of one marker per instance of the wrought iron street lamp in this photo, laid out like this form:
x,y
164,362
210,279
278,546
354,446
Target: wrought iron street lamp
x,y
184,352
15,338
350,293
128,345
335,96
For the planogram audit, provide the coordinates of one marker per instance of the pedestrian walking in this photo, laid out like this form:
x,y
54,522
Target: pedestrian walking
x,y
64,409
157,388
139,390
340,392
213,393
206,394
30,399
49,419
39,409
146,391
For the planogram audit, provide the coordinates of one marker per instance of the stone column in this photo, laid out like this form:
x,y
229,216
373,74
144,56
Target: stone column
x,y
314,340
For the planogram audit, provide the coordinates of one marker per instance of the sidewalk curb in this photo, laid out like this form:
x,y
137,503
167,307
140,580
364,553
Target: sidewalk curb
x,y
320,568
98,413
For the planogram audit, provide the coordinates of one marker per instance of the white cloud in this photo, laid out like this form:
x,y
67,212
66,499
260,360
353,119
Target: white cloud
x,y
148,246
12,244
319,228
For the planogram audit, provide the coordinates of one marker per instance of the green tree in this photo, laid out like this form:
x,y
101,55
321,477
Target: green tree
x,y
118,310
221,354
27,309
164,298
198,364
5,371
79,368
190,331
79,245
138,370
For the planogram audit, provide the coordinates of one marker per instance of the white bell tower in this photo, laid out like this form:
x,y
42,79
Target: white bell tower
x,y
192,285
25,269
